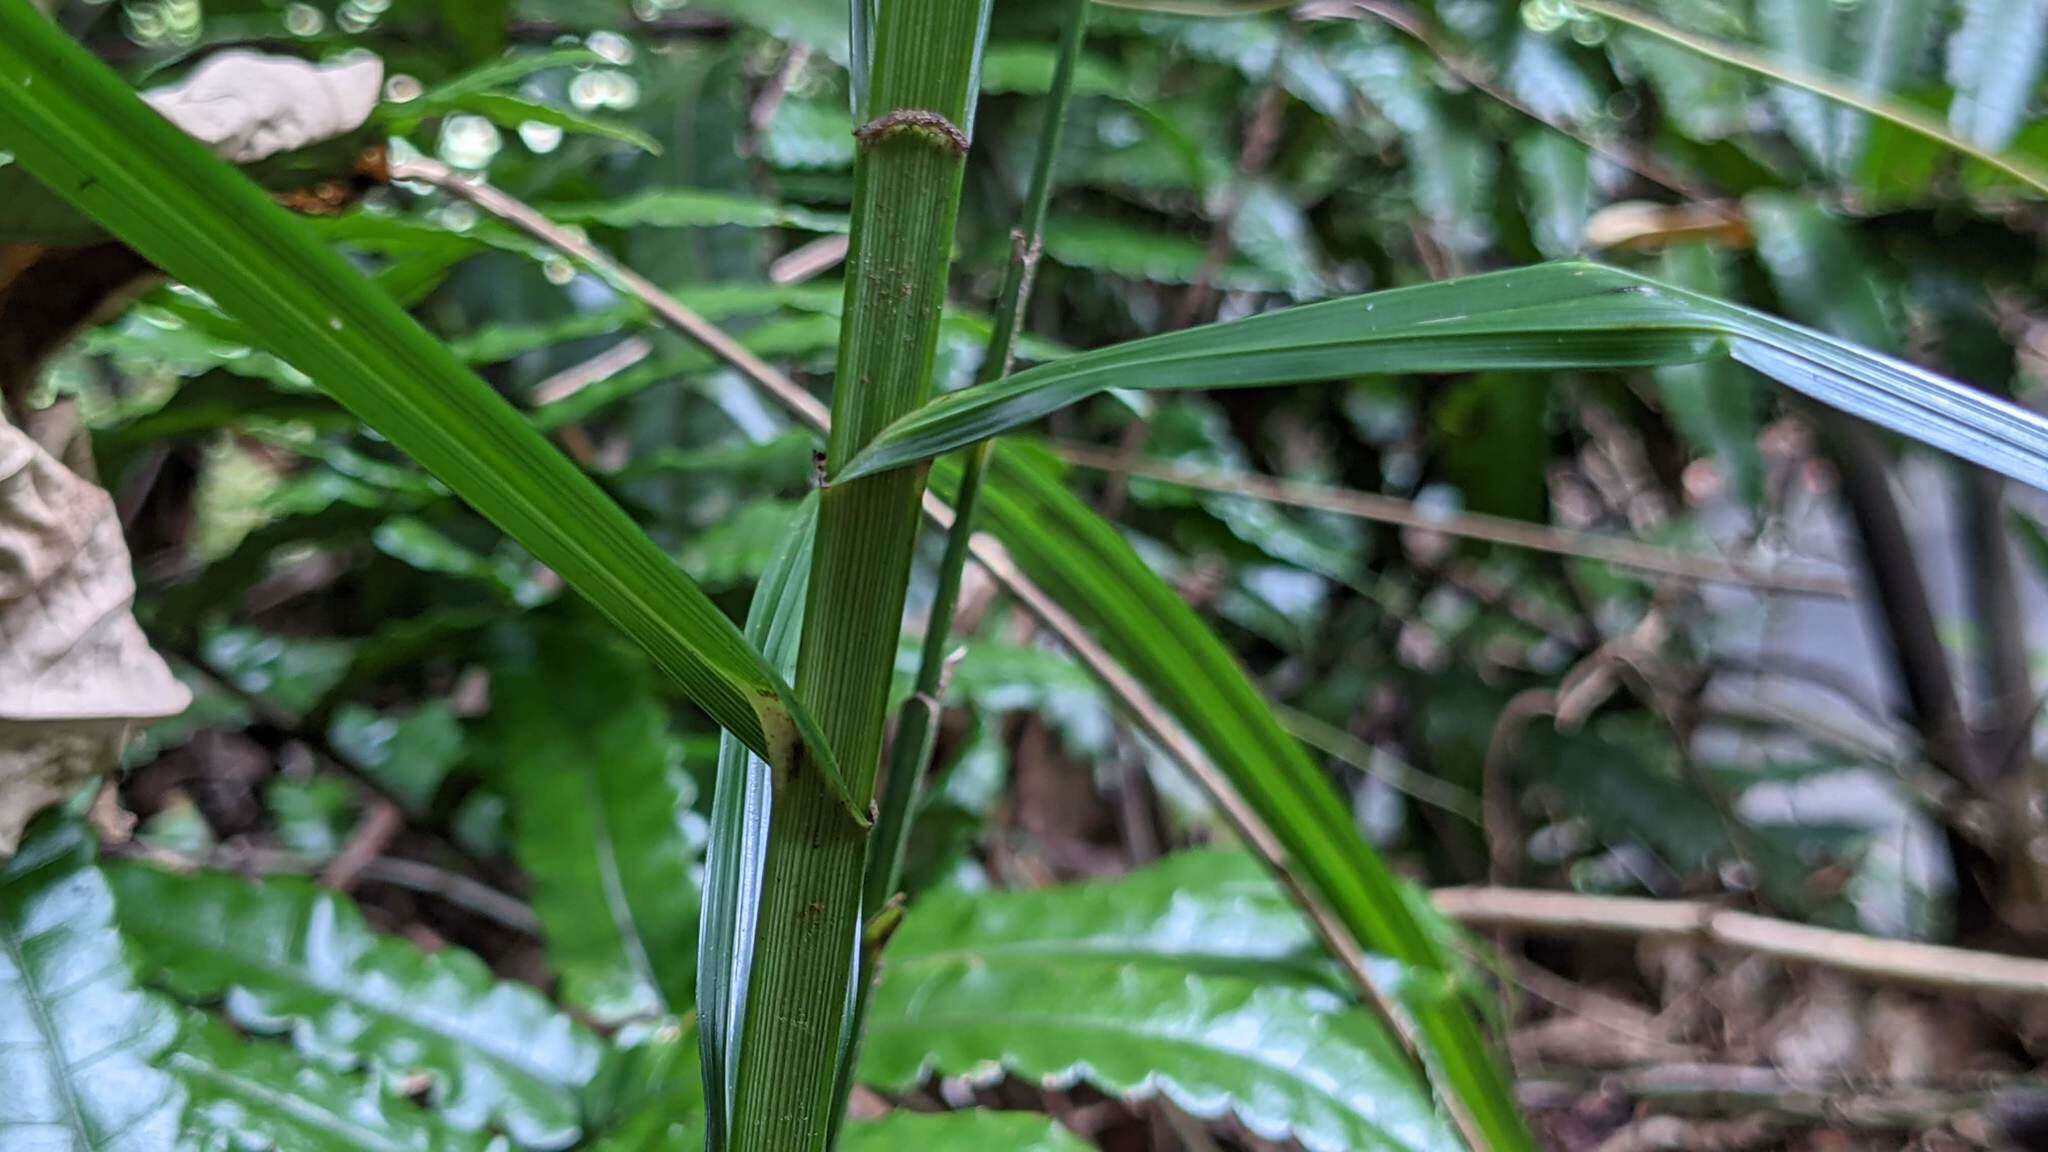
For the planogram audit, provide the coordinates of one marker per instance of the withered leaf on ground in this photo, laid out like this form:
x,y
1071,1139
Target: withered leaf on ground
x,y
75,669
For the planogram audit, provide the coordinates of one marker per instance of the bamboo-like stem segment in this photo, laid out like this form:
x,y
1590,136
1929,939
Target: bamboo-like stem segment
x,y
915,726
906,196
917,721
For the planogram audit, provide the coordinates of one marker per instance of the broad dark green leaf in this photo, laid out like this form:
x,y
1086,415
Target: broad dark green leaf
x,y
78,128
978,1130
740,810
1085,564
1219,912
1567,315
258,1093
1994,63
1134,1007
577,740
286,956
76,1036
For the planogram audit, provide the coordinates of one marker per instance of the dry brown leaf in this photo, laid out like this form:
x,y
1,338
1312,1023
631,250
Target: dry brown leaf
x,y
75,669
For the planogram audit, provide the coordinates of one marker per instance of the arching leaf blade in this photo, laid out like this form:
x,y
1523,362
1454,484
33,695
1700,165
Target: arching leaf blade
x,y
1568,315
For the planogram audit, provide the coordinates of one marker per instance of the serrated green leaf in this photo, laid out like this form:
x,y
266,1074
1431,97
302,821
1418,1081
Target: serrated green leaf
x,y
1137,1005
78,128
577,740
1550,316
77,1037
978,1130
1219,912
1084,564
1994,63
246,1093
287,956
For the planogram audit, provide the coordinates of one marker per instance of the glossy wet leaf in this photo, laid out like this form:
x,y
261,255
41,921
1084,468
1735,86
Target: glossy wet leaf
x,y
77,1036
285,956
1289,1060
1085,564
1567,315
577,739
1219,912
976,1130
79,129
260,1092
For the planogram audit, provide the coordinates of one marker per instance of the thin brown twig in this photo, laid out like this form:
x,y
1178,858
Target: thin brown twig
x,y
381,823
1473,526
464,892
599,368
1889,961
1698,1089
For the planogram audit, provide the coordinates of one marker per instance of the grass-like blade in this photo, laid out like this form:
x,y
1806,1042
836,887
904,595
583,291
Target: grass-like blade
x,y
1569,315
740,809
1085,564
78,128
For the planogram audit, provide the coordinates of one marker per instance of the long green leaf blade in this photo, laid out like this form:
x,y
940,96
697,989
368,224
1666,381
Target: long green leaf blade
x,y
76,1035
79,129
740,811
1568,315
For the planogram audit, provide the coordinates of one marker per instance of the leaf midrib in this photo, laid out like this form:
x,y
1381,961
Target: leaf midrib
x,y
47,1027
294,1106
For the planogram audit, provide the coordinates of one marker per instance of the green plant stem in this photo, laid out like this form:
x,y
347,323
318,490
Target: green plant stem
x,y
918,719
906,193
916,723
